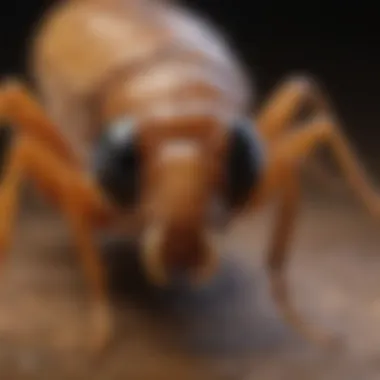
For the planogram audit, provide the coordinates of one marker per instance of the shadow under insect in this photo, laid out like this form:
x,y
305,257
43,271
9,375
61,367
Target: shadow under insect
x,y
228,316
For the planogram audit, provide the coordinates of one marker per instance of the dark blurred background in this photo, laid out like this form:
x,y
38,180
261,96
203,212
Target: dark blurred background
x,y
335,41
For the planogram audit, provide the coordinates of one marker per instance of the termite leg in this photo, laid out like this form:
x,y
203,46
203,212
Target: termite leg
x,y
20,109
279,112
282,177
78,199
279,115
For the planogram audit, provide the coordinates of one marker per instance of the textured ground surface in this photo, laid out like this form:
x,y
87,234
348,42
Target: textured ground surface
x,y
228,331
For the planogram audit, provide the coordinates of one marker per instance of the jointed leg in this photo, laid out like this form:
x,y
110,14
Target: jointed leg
x,y
280,111
285,223
78,199
281,177
278,116
323,131
19,108
82,228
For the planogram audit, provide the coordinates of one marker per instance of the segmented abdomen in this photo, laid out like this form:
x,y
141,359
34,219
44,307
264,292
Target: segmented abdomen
x,y
163,55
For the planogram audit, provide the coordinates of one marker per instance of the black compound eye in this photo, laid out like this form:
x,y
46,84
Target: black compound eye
x,y
244,162
117,162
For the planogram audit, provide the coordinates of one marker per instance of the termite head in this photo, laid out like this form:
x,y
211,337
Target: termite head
x,y
184,178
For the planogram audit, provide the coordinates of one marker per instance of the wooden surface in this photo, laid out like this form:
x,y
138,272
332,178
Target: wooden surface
x,y
228,331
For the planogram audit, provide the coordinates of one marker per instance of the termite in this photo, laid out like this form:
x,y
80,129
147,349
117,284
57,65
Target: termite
x,y
142,112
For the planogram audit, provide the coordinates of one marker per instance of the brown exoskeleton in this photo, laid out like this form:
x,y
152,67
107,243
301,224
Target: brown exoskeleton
x,y
144,116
